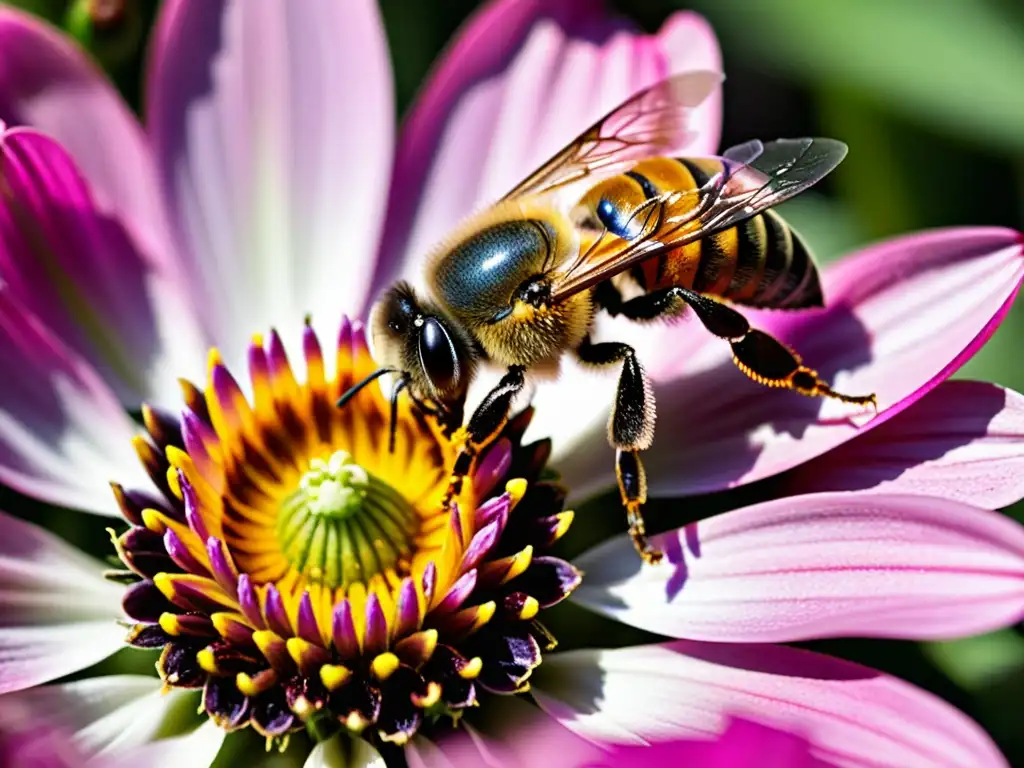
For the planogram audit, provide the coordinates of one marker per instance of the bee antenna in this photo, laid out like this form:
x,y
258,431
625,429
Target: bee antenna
x,y
402,383
355,388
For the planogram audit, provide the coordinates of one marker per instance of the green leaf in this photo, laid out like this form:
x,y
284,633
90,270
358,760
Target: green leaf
x,y
974,663
957,65
50,10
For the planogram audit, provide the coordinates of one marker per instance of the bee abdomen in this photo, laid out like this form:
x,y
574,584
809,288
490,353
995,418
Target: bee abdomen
x,y
790,277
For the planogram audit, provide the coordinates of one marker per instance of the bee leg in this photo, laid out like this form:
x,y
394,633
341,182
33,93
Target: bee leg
x,y
485,424
629,471
630,430
762,357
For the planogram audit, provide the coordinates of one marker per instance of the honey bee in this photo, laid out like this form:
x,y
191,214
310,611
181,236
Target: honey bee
x,y
519,284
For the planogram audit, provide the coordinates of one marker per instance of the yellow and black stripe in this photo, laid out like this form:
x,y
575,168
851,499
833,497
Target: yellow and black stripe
x,y
760,262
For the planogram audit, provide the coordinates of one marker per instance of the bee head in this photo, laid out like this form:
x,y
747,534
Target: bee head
x,y
424,345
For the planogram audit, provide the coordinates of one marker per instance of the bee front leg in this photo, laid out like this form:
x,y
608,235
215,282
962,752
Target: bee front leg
x,y
630,430
486,423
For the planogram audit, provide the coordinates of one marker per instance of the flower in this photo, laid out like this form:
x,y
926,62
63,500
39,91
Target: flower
x,y
293,583
260,192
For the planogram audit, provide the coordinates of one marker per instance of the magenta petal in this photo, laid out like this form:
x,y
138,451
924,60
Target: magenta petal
x,y
275,613
822,565
407,612
851,715
63,434
248,602
264,118
964,441
47,83
57,613
492,466
343,630
429,581
458,593
193,515
484,119
900,318
79,269
224,571
481,544
494,510
306,626
180,555
376,638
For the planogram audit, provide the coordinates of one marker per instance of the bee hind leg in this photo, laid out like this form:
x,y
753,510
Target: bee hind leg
x,y
630,430
760,356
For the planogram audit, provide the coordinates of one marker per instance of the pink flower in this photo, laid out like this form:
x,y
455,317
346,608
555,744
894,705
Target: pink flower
x,y
266,185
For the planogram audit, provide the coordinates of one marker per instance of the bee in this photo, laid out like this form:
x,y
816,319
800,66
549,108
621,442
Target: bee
x,y
519,284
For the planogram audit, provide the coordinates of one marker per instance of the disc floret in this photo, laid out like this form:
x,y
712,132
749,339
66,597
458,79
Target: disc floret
x,y
335,489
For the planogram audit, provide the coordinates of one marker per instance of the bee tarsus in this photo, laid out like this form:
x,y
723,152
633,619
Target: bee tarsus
x,y
486,423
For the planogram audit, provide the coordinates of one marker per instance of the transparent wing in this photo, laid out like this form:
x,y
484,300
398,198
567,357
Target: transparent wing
x,y
768,174
650,123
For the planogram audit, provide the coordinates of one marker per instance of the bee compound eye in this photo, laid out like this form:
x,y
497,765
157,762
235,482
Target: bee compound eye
x,y
438,355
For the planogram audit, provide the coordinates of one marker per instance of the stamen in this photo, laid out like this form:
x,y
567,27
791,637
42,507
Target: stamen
x,y
340,509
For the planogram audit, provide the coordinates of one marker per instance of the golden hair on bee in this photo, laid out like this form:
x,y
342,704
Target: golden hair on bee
x,y
490,275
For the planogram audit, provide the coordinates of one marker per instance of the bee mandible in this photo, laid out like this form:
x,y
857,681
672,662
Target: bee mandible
x,y
518,285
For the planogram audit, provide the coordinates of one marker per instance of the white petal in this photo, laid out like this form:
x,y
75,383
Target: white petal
x,y
58,613
272,126
115,713
196,750
344,752
63,434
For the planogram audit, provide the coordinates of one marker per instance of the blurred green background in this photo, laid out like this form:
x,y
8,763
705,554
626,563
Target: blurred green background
x,y
930,96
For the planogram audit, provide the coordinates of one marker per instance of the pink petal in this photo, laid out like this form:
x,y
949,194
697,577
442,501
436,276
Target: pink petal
x,y
852,715
534,737
964,441
272,126
63,435
46,82
901,317
520,80
822,565
80,271
57,613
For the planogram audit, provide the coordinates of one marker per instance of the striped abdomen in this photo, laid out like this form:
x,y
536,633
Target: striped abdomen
x,y
761,262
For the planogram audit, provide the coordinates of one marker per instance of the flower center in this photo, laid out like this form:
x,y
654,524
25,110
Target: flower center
x,y
302,570
344,525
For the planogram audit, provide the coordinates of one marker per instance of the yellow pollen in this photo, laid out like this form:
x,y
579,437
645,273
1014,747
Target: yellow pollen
x,y
333,676
516,488
384,666
169,623
530,609
207,660
472,669
432,696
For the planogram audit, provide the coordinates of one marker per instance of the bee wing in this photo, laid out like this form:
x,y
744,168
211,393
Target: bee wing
x,y
768,174
649,123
